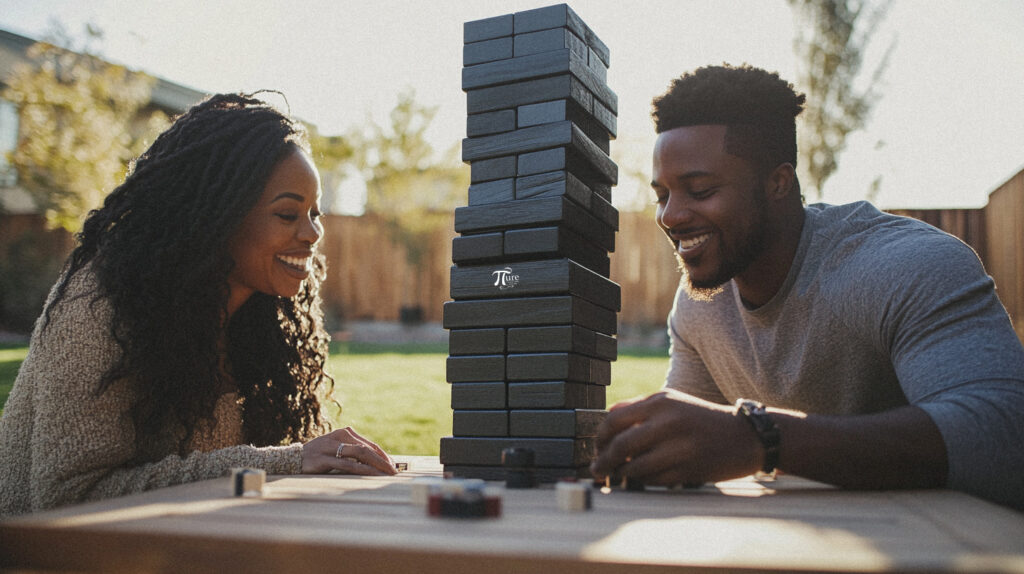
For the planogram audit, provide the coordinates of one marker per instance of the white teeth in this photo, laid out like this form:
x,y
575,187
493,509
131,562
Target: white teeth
x,y
300,262
691,243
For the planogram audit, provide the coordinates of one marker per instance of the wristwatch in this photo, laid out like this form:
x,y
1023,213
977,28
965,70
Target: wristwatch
x,y
765,428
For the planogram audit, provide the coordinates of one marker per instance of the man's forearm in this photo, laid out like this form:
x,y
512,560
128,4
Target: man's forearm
x,y
901,448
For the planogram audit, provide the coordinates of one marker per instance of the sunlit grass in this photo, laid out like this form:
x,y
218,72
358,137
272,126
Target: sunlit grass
x,y
396,395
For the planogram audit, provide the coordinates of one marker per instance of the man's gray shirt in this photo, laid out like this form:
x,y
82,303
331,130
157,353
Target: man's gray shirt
x,y
878,311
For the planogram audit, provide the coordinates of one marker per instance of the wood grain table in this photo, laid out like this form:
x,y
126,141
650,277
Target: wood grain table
x,y
334,523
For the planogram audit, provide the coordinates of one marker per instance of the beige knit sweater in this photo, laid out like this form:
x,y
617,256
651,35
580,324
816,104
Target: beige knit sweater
x,y
61,444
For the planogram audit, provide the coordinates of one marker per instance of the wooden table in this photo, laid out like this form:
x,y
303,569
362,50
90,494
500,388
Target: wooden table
x,y
337,523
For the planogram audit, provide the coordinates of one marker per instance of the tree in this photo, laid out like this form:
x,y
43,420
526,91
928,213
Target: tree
x,y
409,186
82,120
832,39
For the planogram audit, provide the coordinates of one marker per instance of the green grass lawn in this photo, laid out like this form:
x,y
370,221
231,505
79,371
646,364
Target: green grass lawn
x,y
396,395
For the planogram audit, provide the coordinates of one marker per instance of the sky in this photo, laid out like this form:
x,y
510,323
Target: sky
x,y
947,131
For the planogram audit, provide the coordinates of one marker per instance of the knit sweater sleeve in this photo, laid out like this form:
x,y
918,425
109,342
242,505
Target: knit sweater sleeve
x,y
82,441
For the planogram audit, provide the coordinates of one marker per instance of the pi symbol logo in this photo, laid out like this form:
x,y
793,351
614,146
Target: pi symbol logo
x,y
504,278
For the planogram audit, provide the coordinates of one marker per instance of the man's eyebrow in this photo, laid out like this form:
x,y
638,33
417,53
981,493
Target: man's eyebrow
x,y
695,174
288,195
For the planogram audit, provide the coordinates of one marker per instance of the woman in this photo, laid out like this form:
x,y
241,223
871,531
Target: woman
x,y
185,335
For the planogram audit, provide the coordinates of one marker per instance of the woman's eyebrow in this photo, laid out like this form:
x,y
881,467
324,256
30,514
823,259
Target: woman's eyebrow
x,y
288,195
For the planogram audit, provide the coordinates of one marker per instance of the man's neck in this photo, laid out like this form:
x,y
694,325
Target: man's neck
x,y
765,276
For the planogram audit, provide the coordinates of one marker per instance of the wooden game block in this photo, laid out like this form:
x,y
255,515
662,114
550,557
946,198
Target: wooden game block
x,y
480,423
561,338
490,123
543,161
494,191
491,169
548,41
476,248
541,242
606,118
569,367
564,110
604,210
498,473
548,452
559,15
576,160
529,311
519,69
475,368
487,395
599,68
516,94
487,51
556,395
476,341
541,212
552,183
527,278
555,422
602,93
488,28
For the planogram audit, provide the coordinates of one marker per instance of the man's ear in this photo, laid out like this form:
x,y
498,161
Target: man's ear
x,y
781,181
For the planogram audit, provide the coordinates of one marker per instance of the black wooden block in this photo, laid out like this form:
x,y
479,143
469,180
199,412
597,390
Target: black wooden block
x,y
606,118
542,212
494,191
481,423
482,247
604,211
489,395
595,63
549,40
487,51
564,110
475,368
498,473
606,347
556,395
556,16
529,278
490,123
556,310
551,183
491,169
557,367
513,95
548,452
555,423
602,93
520,69
476,341
583,158
543,161
488,28
541,242
561,338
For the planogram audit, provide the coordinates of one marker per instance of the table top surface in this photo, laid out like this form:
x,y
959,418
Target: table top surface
x,y
335,522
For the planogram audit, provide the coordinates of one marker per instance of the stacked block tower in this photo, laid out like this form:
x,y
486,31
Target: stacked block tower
x,y
533,313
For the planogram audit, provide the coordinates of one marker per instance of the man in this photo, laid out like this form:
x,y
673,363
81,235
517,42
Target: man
x,y
877,342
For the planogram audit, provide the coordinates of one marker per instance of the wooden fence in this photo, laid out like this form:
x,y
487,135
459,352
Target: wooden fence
x,y
370,277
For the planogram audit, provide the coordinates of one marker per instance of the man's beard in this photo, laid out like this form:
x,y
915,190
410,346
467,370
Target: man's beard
x,y
731,263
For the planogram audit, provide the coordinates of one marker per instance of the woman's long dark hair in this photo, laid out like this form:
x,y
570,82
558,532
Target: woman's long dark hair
x,y
158,247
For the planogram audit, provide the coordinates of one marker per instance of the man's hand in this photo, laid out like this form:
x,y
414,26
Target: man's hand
x,y
672,438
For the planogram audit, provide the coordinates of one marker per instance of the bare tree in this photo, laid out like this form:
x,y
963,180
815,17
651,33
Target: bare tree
x,y
832,39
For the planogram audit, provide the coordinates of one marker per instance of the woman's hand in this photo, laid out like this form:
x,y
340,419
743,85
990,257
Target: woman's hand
x,y
345,451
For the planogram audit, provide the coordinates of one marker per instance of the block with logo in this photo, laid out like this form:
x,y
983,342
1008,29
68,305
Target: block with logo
x,y
544,277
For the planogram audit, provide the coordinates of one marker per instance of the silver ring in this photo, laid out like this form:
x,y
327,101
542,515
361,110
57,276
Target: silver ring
x,y
341,447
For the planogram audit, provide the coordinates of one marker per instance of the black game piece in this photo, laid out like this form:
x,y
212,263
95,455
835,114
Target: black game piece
x,y
540,212
488,28
497,473
490,123
490,395
476,341
549,452
555,395
555,423
475,368
544,242
561,338
490,169
492,191
548,41
549,276
519,464
529,92
555,310
487,51
480,423
478,248
557,367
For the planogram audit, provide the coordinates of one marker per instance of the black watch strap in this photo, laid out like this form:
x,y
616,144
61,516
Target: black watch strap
x,y
765,428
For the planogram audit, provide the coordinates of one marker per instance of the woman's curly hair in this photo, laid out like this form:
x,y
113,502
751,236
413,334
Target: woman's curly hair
x,y
758,108
158,248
